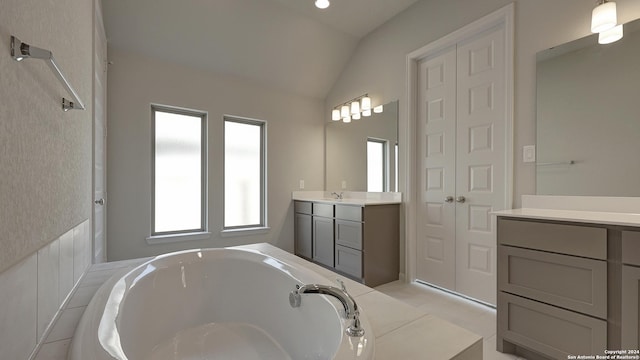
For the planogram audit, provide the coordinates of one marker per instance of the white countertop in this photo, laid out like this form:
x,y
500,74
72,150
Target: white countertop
x,y
596,217
623,211
349,197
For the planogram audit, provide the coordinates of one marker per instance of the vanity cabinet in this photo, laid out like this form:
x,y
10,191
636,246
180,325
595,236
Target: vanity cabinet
x,y
552,288
630,289
361,242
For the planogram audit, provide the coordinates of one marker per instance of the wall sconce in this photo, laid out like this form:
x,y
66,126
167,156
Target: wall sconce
x,y
354,109
604,21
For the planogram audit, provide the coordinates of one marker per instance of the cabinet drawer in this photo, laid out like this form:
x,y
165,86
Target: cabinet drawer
x,y
575,240
571,282
549,330
349,233
631,247
302,207
345,212
325,210
349,261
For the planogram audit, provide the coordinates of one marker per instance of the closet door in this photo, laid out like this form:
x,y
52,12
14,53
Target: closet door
x,y
436,127
480,160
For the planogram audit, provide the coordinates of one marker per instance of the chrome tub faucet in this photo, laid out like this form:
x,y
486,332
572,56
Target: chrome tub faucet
x,y
350,307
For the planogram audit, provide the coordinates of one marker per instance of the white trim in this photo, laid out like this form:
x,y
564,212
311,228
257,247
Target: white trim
x,y
502,17
246,231
173,238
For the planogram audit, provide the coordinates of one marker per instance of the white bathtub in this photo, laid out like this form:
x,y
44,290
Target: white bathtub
x,y
215,304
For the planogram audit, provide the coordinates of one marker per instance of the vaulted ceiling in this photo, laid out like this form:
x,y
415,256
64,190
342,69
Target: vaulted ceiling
x,y
285,44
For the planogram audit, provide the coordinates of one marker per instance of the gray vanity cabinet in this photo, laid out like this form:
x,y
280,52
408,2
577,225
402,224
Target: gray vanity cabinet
x,y
361,242
630,289
552,288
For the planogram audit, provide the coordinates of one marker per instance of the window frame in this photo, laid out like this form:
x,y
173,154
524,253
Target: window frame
x,y
203,115
263,224
385,162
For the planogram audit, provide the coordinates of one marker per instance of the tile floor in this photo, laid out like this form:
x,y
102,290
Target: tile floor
x,y
465,313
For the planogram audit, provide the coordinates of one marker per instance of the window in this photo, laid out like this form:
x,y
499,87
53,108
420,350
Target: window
x,y
244,173
178,171
376,165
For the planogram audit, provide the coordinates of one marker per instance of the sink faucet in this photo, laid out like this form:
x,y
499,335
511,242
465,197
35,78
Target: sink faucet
x,y
338,196
350,307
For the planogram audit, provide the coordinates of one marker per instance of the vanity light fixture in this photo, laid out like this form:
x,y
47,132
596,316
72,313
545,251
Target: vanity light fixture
x,y
335,115
611,35
354,109
604,21
322,4
604,16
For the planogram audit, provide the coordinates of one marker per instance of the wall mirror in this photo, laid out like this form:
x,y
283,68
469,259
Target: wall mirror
x,y
588,117
362,155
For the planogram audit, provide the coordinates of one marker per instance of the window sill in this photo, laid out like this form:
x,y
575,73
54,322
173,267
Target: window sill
x,y
245,231
166,239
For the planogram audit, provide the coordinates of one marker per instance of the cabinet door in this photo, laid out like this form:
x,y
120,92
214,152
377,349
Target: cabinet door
x,y
349,233
630,306
303,242
349,261
549,330
323,240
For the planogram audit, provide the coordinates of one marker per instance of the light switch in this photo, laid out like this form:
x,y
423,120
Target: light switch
x,y
529,153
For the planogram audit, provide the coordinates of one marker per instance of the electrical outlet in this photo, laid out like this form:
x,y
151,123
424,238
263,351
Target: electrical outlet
x,y
529,153
344,184
301,184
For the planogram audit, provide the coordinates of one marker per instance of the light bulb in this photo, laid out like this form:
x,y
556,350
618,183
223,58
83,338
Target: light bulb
x,y
344,111
346,119
611,35
604,17
356,116
335,114
366,103
355,107
366,113
378,109
322,4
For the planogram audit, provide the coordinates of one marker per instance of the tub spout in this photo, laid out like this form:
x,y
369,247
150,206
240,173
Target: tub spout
x,y
350,307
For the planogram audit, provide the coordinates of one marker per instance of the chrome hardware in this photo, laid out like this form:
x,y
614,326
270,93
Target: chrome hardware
x,y
338,196
461,199
448,199
99,202
21,51
350,307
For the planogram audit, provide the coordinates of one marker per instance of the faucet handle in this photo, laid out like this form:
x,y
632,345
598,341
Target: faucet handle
x,y
341,283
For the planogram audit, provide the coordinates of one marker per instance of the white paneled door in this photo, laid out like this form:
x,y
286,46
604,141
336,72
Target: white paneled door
x,y
99,138
462,121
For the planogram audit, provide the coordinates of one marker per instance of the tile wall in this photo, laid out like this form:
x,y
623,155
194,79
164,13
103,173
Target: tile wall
x,y
32,292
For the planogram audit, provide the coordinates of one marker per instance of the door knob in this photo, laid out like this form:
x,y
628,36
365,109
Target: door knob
x,y
448,199
460,199
99,202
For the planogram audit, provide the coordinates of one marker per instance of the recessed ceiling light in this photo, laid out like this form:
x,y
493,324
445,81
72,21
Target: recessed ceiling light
x,y
322,4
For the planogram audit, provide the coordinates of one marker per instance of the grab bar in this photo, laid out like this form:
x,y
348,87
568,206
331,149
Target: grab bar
x,y
21,51
570,162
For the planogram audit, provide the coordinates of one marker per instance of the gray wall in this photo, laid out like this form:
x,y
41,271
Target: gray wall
x,y
295,135
45,153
